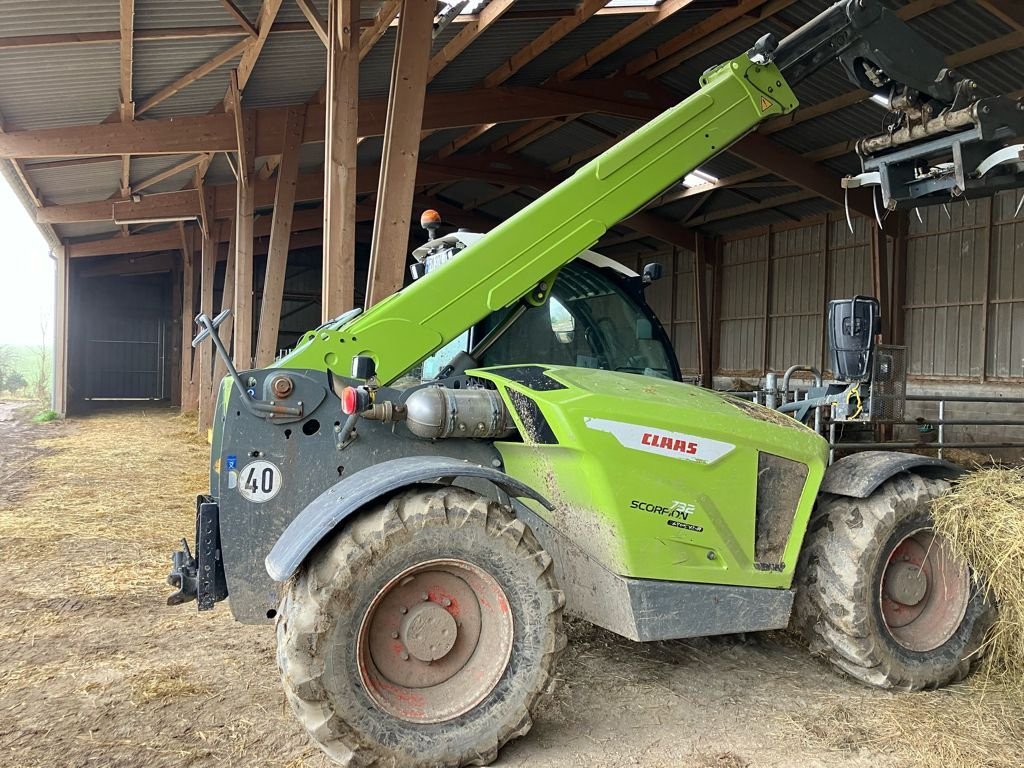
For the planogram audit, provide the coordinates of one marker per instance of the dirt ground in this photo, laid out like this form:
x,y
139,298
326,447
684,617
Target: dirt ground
x,y
95,669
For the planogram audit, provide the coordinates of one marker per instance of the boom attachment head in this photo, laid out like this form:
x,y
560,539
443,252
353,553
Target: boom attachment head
x,y
941,138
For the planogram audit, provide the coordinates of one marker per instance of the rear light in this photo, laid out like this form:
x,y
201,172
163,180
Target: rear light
x,y
354,400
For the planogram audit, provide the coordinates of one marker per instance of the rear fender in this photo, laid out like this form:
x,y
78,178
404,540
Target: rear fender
x,y
860,474
347,497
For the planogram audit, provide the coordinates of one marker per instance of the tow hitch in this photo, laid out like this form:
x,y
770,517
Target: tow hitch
x,y
200,577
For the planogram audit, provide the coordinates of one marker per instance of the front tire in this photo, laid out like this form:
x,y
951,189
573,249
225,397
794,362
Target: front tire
x,y
421,634
882,597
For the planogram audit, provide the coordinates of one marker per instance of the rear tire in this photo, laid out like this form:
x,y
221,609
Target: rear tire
x,y
364,707
881,596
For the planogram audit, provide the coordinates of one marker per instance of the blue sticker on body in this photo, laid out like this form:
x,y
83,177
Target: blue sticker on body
x,y
232,462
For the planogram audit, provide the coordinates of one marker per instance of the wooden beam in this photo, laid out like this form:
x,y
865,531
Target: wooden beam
x,y
240,17
783,162
198,73
409,76
313,17
706,33
60,333
280,233
761,205
174,170
205,352
127,109
170,206
148,242
244,246
339,182
268,12
158,33
470,31
625,36
189,392
1010,12
227,301
369,36
243,141
543,42
182,135
626,97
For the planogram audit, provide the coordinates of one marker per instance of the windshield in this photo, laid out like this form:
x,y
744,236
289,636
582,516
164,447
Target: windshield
x,y
589,321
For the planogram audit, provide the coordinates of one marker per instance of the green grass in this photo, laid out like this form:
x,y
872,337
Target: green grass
x,y
24,358
44,416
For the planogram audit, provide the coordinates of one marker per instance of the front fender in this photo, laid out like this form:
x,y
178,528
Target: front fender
x,y
348,496
860,474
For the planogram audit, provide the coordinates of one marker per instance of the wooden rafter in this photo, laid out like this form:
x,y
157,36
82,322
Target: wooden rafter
x,y
1010,12
315,20
625,97
268,13
470,31
645,23
240,17
127,108
174,170
370,34
198,73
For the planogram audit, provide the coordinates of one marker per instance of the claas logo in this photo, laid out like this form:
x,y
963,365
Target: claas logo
x,y
661,441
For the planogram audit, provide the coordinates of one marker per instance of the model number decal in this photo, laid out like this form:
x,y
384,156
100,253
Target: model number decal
x,y
676,445
259,481
678,512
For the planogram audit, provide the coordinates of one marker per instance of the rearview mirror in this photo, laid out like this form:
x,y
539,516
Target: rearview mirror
x,y
652,272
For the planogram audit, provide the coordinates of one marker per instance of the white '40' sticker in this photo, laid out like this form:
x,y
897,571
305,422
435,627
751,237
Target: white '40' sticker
x,y
259,481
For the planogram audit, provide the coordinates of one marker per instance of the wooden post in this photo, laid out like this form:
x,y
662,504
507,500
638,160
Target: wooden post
x,y
227,301
342,110
188,401
401,150
280,234
243,251
206,352
700,290
59,396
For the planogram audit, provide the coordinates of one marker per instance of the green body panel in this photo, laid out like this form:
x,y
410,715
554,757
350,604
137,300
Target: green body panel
x,y
511,259
685,513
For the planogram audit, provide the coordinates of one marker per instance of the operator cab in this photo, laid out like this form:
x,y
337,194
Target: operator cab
x,y
595,317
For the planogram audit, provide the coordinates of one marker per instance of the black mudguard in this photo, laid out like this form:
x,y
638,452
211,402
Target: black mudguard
x,y
348,496
860,474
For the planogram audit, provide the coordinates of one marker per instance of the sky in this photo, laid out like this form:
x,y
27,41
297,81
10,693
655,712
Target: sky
x,y
26,274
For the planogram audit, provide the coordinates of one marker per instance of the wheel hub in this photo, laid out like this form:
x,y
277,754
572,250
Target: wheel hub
x,y
924,591
905,583
435,641
428,631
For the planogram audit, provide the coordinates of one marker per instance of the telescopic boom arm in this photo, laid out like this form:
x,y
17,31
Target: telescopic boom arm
x,y
519,258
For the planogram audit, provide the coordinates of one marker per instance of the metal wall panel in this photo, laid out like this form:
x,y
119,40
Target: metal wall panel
x,y
741,321
947,253
1005,353
795,297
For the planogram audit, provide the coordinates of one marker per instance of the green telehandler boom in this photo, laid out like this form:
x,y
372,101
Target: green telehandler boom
x,y
415,494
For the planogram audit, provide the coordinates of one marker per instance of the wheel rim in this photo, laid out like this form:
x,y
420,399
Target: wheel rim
x,y
923,592
435,641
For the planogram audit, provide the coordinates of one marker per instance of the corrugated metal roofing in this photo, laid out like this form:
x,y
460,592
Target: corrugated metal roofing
x,y
33,17
144,167
77,84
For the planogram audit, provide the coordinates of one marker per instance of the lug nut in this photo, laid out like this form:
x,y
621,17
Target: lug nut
x,y
404,655
394,635
403,609
425,596
447,603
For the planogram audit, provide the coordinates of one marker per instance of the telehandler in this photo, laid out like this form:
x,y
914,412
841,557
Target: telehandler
x,y
415,493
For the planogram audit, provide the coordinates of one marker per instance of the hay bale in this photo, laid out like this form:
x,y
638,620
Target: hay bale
x,y
982,518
